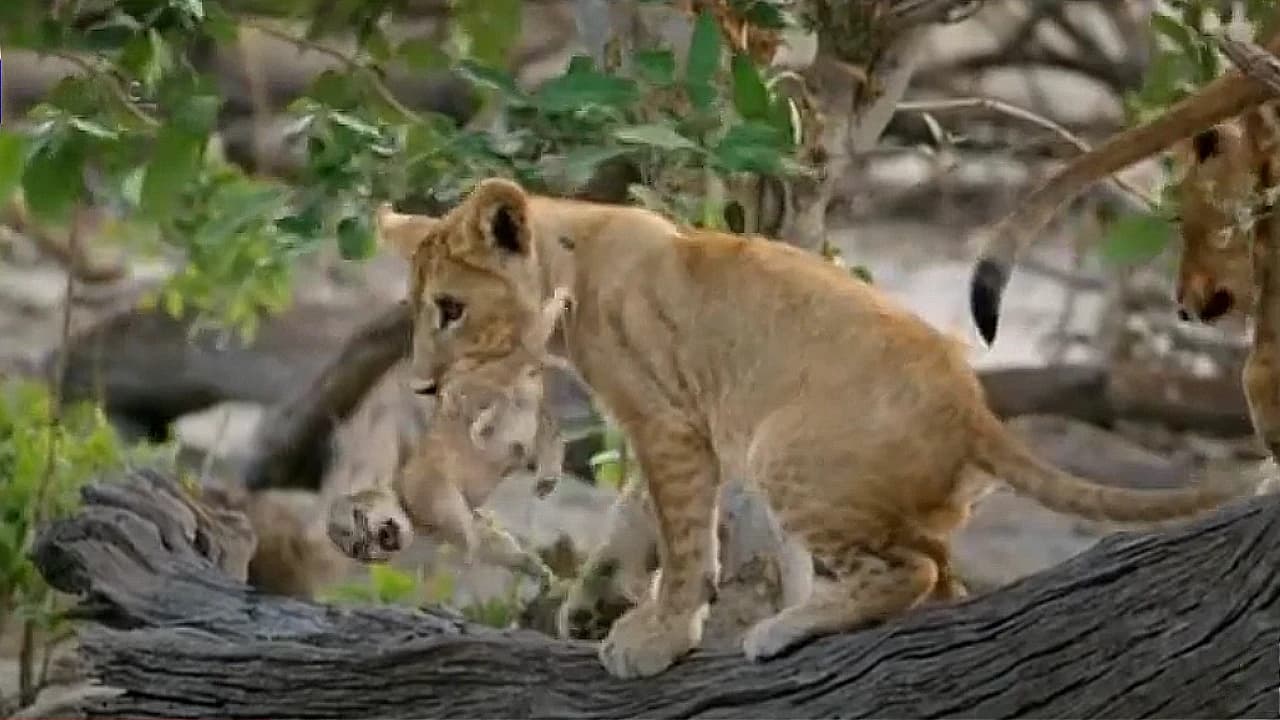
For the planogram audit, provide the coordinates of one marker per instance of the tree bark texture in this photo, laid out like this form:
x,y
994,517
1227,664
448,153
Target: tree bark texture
x,y
1184,623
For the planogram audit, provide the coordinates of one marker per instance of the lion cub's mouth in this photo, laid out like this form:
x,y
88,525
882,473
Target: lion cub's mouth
x,y
425,387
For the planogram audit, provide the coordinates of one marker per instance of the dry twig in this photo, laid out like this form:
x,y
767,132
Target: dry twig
x,y
1013,111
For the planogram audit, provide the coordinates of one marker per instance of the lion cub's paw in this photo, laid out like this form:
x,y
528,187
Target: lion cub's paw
x,y
645,641
545,485
595,600
369,526
771,637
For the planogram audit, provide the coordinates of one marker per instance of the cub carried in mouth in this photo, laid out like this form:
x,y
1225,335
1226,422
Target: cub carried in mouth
x,y
486,427
722,356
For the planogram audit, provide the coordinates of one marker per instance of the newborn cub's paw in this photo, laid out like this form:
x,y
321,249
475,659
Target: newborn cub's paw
x,y
369,526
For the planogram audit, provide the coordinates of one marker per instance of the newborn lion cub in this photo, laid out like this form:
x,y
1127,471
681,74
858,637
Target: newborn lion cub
x,y
728,356
489,426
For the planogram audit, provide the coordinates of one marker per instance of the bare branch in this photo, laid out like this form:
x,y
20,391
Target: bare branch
x,y
379,87
1252,60
906,13
1013,111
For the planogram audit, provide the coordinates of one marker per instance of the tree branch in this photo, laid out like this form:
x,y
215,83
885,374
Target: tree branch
x,y
1013,111
380,88
1182,623
1252,60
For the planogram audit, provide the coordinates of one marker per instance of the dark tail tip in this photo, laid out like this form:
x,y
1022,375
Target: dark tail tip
x,y
986,287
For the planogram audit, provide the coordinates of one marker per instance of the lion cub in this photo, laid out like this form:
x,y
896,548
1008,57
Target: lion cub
x,y
723,356
484,429
1230,259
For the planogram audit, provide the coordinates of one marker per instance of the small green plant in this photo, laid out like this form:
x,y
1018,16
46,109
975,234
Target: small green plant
x,y
388,585
610,464
46,456
384,584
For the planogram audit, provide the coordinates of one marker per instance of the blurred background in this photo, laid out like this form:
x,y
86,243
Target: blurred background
x,y
185,239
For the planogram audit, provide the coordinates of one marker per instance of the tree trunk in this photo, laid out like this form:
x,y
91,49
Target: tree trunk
x,y
1184,623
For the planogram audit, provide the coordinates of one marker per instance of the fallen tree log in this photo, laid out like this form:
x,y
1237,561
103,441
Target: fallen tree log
x,y
1184,623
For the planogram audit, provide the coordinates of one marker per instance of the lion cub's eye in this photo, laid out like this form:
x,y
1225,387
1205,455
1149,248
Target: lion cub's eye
x,y
450,309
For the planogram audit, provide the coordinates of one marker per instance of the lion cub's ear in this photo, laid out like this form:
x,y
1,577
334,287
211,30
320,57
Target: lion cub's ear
x,y
401,232
501,209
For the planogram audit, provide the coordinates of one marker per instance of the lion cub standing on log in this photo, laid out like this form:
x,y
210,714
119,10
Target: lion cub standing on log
x,y
487,428
722,355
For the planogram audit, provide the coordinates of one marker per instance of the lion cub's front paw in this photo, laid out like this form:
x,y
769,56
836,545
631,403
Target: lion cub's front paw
x,y
369,526
645,641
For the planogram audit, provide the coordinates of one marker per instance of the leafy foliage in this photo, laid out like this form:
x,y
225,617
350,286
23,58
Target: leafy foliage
x,y
386,584
45,459
136,130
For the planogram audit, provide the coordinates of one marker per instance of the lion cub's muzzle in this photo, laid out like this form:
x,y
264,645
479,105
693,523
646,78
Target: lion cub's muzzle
x,y
1219,303
429,388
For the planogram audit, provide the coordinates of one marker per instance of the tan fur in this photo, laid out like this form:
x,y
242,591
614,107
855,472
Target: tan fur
x,y
493,425
294,555
620,570
1217,101
1230,248
723,356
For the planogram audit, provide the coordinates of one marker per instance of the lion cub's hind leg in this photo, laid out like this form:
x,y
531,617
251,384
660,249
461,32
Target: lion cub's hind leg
x,y
861,585
866,569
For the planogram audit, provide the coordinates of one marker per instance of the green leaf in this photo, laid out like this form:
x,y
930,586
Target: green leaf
x,y
487,77
490,28
763,13
1174,30
235,205
580,163
92,129
356,240
197,114
750,97
391,584
306,224
12,157
54,180
576,90
173,165
1135,238
655,66
375,42
752,146
654,135
782,116
220,25
355,124
193,8
422,54
704,50
112,32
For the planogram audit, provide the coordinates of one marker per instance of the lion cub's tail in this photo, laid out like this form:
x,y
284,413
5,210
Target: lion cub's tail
x,y
999,453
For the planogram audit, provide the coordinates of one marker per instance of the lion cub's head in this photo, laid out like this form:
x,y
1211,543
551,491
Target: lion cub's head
x,y
474,288
1215,271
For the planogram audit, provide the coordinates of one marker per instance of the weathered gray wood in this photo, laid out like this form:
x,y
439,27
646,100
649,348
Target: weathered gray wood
x,y
1180,624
